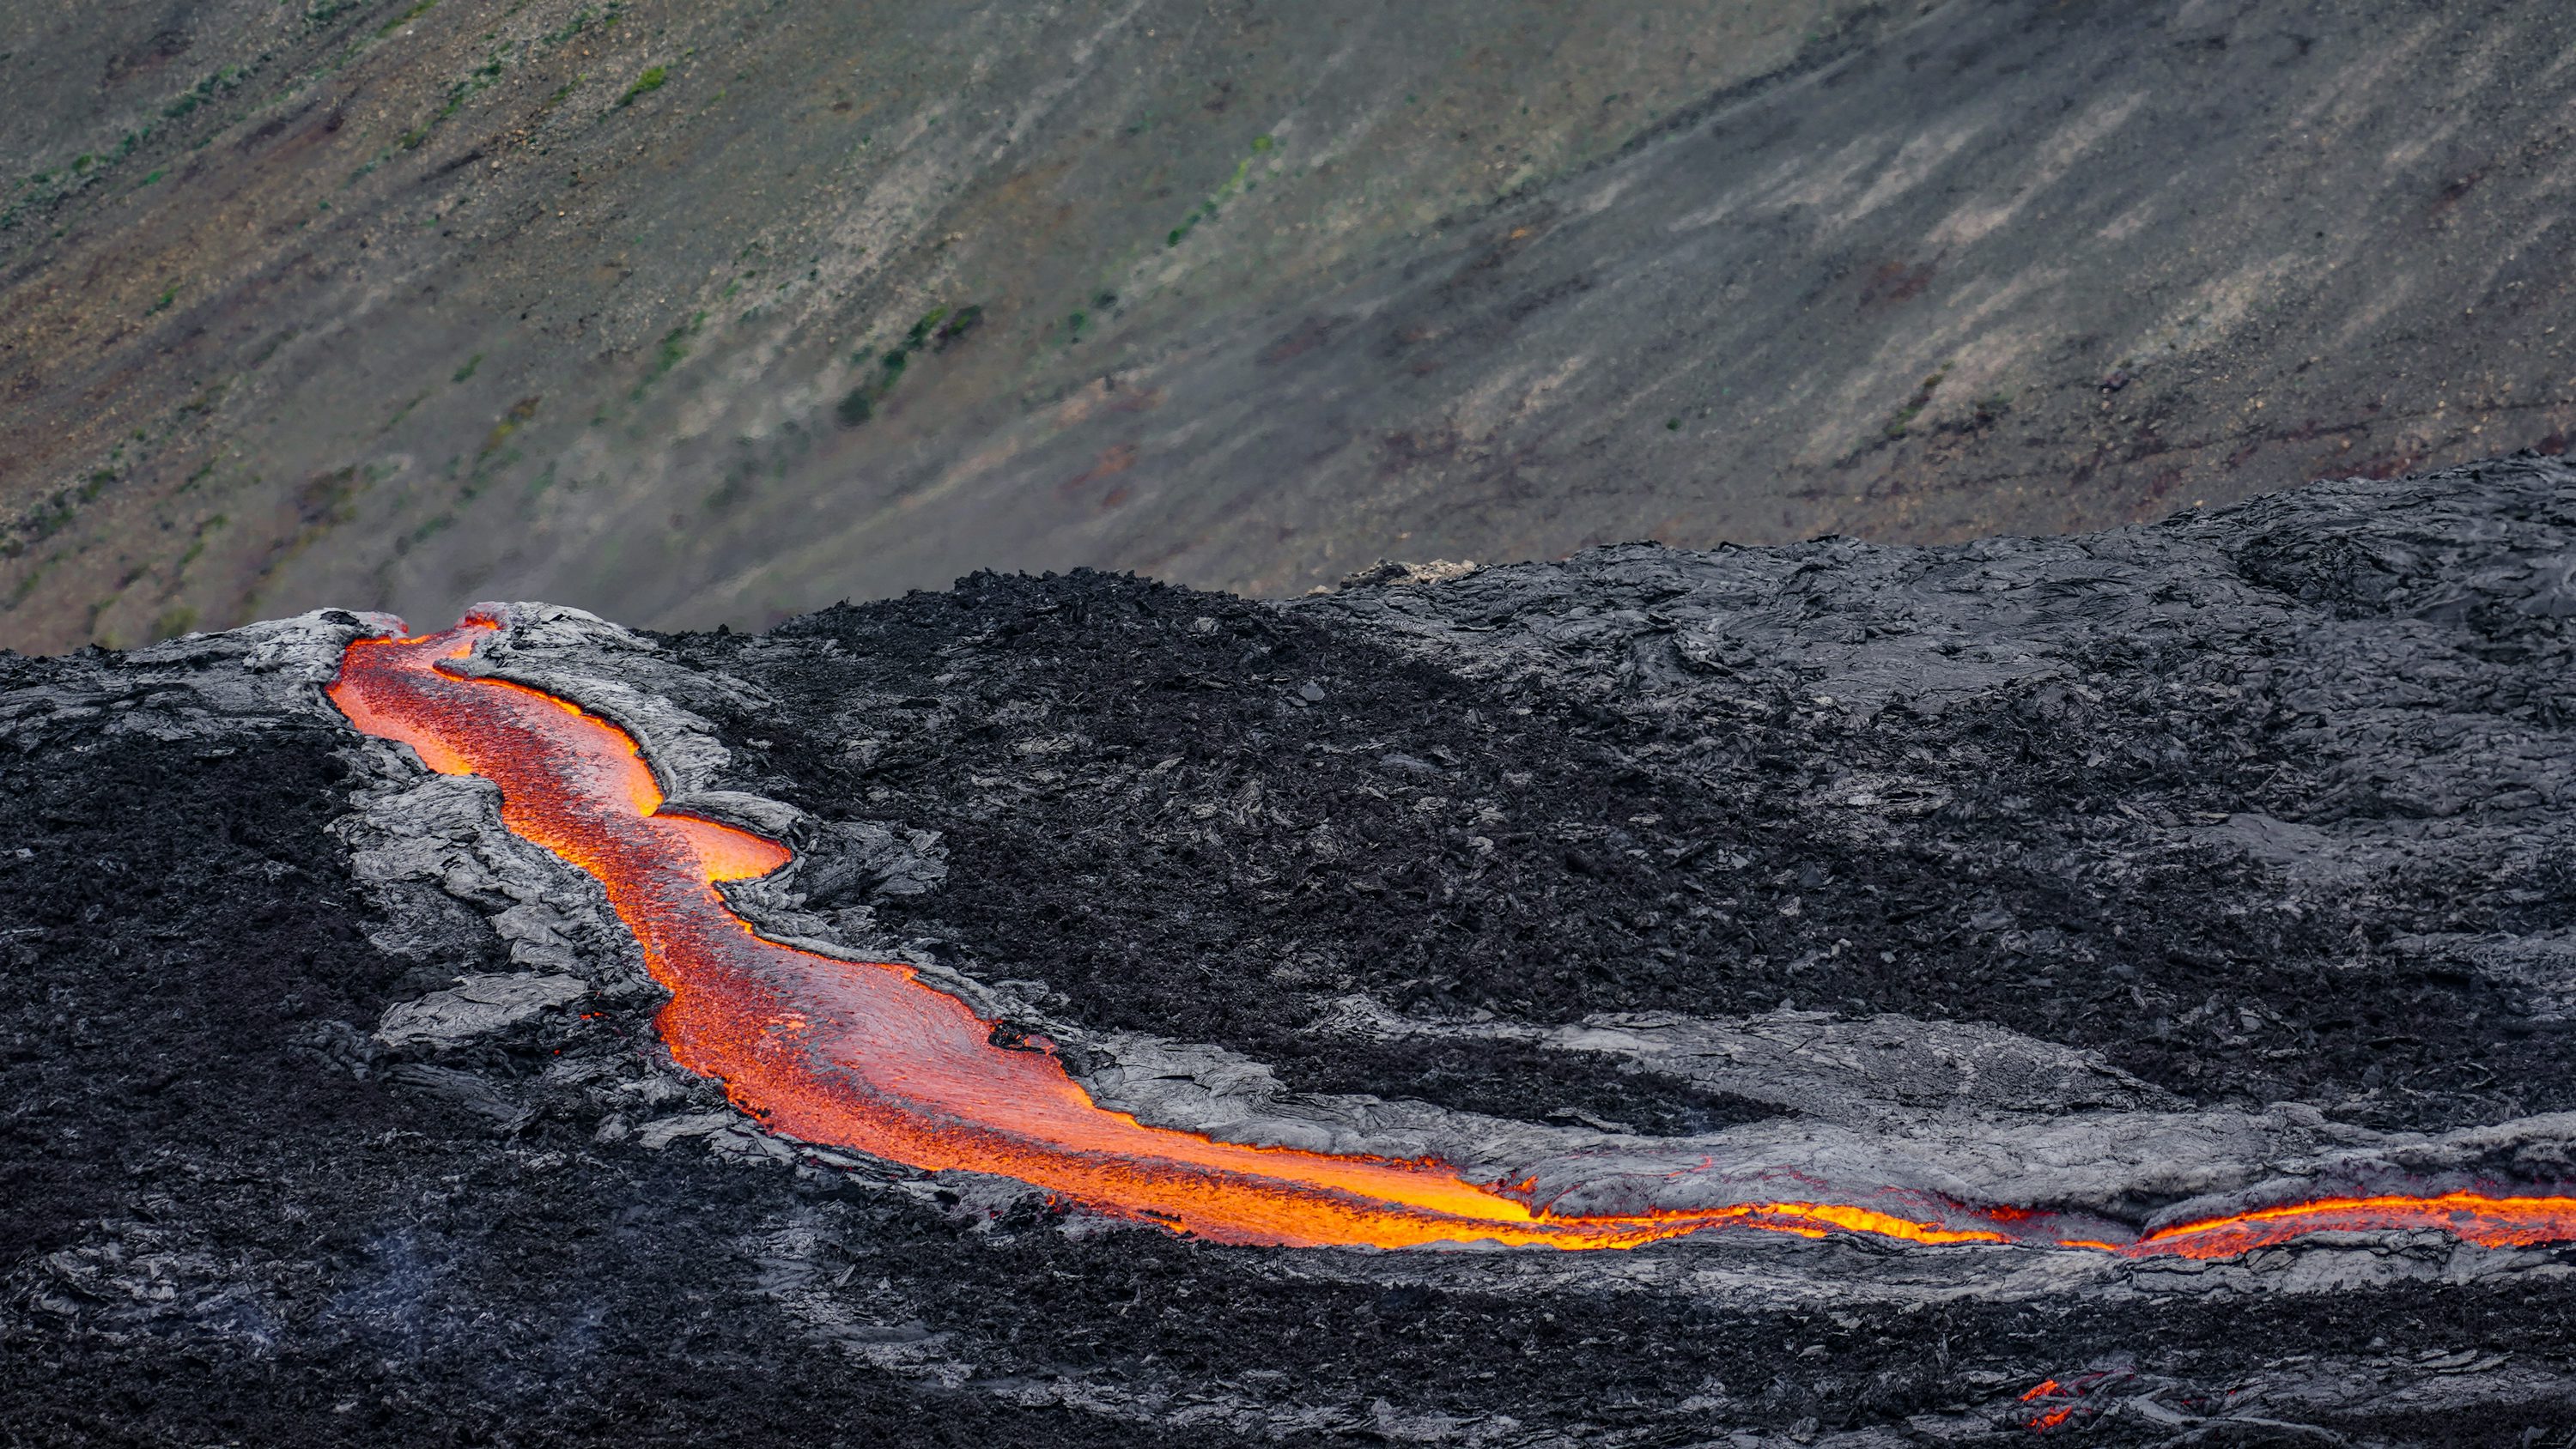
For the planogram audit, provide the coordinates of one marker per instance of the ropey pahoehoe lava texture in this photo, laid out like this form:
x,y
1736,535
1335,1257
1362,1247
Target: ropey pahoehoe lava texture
x,y
2079,891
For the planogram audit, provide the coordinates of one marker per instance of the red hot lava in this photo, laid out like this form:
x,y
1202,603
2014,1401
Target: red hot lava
x,y
862,1055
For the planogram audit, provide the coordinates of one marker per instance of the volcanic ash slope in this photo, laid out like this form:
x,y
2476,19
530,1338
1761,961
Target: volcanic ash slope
x,y
2134,878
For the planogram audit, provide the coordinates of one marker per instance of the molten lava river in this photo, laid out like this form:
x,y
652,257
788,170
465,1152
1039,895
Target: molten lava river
x,y
862,1055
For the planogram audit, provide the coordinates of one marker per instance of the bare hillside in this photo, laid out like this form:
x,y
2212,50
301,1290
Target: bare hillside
x,y
720,311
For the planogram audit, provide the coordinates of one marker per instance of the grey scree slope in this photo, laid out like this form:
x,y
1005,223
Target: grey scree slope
x,y
2344,704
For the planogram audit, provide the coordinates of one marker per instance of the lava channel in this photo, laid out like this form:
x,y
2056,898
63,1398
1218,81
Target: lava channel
x,y
862,1055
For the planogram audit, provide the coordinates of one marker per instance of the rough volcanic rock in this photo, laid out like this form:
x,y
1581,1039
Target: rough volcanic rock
x,y
2209,863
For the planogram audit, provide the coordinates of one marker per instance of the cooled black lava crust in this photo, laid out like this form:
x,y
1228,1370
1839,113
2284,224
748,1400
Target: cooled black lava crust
x,y
184,919
213,1229
1147,814
446,1284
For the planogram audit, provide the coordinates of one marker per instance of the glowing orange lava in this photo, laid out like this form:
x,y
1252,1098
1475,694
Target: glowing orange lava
x,y
862,1055
2472,1217
2046,1419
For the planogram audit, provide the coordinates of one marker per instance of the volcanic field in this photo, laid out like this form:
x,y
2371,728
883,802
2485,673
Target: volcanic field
x,y
2110,988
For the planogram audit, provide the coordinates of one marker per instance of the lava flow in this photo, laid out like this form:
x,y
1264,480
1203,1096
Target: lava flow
x,y
862,1055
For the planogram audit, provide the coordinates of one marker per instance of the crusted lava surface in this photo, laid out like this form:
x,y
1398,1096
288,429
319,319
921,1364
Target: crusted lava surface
x,y
2257,807
1148,812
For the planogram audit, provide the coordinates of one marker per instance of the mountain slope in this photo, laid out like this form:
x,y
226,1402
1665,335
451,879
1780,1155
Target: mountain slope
x,y
721,312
